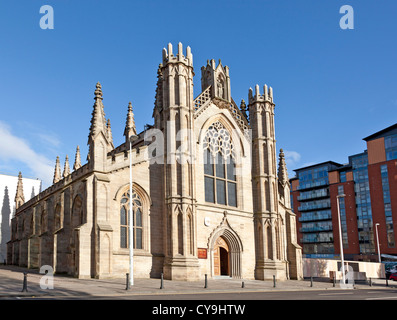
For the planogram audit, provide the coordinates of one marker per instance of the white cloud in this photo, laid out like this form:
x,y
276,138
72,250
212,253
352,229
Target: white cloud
x,y
13,148
292,157
49,139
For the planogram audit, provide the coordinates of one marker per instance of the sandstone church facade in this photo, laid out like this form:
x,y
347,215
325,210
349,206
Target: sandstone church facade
x,y
207,194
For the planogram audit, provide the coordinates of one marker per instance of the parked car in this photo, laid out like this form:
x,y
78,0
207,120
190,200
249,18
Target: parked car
x,y
393,277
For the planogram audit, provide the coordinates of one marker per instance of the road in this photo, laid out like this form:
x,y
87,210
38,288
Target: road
x,y
335,294
362,294
230,305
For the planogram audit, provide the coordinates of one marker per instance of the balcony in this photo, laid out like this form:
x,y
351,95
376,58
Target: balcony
x,y
314,194
315,229
315,205
315,216
318,238
313,184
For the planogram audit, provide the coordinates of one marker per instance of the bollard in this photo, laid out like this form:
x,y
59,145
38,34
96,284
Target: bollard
x,y
311,281
242,285
334,280
127,287
370,282
25,282
205,282
274,281
162,281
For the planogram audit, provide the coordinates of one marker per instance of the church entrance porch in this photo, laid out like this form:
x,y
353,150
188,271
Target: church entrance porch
x,y
226,249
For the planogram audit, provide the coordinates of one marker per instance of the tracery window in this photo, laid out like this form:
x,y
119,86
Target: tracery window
x,y
137,211
219,166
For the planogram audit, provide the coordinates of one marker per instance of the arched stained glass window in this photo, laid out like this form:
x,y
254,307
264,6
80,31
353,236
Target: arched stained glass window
x,y
137,211
219,167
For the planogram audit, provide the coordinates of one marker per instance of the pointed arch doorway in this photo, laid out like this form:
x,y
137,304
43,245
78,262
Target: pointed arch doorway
x,y
221,258
226,248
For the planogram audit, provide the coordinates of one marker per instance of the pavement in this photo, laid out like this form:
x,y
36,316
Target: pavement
x,y
65,287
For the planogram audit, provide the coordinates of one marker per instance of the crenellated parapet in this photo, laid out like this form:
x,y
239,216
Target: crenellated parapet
x,y
267,95
169,56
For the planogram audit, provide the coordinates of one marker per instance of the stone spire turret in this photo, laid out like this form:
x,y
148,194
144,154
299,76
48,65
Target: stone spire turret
x,y
282,169
19,197
66,169
57,172
99,141
98,121
77,159
130,128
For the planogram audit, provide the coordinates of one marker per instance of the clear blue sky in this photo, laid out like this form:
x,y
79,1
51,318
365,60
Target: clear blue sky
x,y
332,87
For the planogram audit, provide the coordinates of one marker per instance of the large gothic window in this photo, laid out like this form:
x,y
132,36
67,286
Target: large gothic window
x,y
137,211
219,167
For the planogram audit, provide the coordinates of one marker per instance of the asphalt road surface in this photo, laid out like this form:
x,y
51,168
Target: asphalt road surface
x,y
353,294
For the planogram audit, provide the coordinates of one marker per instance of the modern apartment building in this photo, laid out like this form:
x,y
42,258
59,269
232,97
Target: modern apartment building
x,y
367,190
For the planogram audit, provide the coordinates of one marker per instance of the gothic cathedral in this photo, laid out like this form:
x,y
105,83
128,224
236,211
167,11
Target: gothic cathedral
x,y
206,193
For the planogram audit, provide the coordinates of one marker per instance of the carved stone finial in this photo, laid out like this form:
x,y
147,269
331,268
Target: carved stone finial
x,y
66,169
243,108
130,129
19,197
98,91
77,159
282,168
57,172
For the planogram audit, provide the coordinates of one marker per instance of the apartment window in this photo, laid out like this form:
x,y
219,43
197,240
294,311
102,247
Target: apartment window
x,y
342,211
387,206
391,147
359,164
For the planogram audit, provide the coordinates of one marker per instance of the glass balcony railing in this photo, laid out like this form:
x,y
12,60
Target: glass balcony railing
x,y
315,205
316,228
317,215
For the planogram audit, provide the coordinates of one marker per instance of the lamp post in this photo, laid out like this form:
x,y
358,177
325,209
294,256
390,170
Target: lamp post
x,y
130,219
340,239
377,240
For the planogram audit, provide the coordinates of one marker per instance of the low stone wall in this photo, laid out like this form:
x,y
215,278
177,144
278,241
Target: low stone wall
x,y
324,268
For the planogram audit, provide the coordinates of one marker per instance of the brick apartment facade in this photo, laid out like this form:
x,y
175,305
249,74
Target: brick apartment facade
x,y
369,183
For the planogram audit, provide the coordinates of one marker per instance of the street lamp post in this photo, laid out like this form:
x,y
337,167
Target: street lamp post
x,y
377,240
340,239
130,219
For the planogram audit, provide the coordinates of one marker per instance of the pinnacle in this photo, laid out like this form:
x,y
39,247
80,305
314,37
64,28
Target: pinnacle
x,y
282,168
130,129
98,122
77,159
57,172
19,197
66,170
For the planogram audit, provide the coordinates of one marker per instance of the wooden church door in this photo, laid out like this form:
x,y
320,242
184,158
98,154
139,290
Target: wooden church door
x,y
221,258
